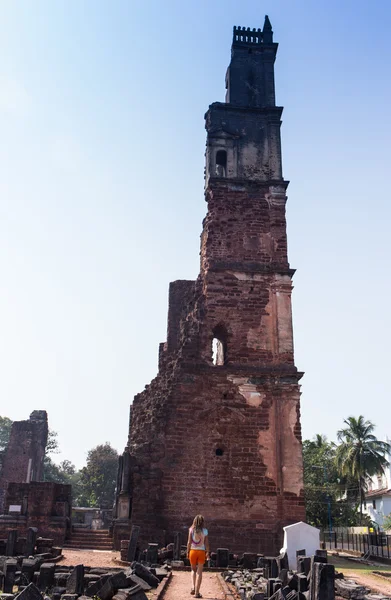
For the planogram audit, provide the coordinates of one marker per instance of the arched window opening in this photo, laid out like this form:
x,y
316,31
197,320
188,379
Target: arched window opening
x,y
221,163
219,346
218,352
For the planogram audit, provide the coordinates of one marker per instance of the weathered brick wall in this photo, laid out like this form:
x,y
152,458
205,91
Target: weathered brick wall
x,y
249,492
23,461
44,505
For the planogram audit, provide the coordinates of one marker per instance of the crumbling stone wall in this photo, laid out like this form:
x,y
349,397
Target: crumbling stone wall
x,y
23,461
221,435
44,505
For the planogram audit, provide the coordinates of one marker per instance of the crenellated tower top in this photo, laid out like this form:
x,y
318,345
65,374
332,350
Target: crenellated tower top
x,y
243,35
250,75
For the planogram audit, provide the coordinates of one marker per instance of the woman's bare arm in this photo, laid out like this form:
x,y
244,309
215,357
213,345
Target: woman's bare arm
x,y
207,544
188,544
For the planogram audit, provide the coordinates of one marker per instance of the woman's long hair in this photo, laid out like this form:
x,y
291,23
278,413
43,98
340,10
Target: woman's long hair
x,y
198,523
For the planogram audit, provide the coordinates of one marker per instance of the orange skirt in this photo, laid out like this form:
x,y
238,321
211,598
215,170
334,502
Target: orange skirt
x,y
197,557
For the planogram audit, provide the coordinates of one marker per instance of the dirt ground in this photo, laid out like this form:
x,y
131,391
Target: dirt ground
x,y
363,575
90,558
180,586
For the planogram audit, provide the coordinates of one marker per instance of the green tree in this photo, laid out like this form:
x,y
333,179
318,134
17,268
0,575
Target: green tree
x,y
99,476
51,471
387,523
5,432
360,454
323,486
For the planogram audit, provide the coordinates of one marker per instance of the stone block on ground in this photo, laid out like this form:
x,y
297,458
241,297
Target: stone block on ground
x,y
20,546
177,563
160,573
303,564
46,576
152,553
29,566
273,585
9,570
31,540
249,560
106,592
283,575
322,581
69,597
145,574
93,588
134,579
282,561
348,588
133,541
90,578
222,558
30,592
293,582
11,542
118,580
75,581
134,593
302,582
61,578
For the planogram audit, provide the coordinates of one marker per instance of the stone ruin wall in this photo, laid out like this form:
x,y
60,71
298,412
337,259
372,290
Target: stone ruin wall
x,y
23,461
44,505
250,410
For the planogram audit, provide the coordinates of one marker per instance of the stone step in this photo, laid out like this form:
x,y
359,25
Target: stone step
x,y
90,535
93,531
88,546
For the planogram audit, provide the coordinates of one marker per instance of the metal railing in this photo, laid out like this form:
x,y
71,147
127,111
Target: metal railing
x,y
376,544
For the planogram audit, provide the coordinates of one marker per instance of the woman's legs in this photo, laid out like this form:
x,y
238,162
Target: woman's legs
x,y
193,576
200,568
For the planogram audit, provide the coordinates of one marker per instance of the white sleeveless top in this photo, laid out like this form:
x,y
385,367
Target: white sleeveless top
x,y
197,539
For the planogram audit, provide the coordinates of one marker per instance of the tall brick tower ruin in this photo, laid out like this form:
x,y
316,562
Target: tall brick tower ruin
x,y
217,431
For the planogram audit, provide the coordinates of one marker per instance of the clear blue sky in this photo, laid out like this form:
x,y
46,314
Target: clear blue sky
x,y
101,198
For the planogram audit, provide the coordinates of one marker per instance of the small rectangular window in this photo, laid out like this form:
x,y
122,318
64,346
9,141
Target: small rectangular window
x,y
374,503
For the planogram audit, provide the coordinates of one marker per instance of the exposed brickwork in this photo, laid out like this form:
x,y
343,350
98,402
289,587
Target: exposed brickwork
x,y
224,439
44,505
23,461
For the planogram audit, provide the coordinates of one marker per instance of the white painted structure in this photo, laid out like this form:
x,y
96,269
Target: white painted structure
x,y
300,536
378,497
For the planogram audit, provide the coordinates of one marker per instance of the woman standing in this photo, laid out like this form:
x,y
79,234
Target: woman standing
x,y
197,552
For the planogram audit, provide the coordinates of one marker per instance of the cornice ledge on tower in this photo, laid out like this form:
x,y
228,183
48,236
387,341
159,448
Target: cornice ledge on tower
x,y
233,183
227,106
241,267
269,372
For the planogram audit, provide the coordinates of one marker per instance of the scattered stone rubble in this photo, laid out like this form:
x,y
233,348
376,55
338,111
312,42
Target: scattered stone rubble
x,y
314,579
35,579
29,545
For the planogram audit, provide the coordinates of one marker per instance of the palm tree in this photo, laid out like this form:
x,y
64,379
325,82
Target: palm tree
x,y
360,454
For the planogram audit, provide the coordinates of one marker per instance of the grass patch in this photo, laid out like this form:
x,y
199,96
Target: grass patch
x,y
343,565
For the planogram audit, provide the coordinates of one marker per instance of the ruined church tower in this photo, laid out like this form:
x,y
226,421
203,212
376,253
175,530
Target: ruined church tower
x,y
217,431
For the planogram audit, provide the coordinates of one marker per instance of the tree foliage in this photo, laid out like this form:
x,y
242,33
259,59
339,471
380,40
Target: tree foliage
x,y
99,476
360,455
5,432
324,486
